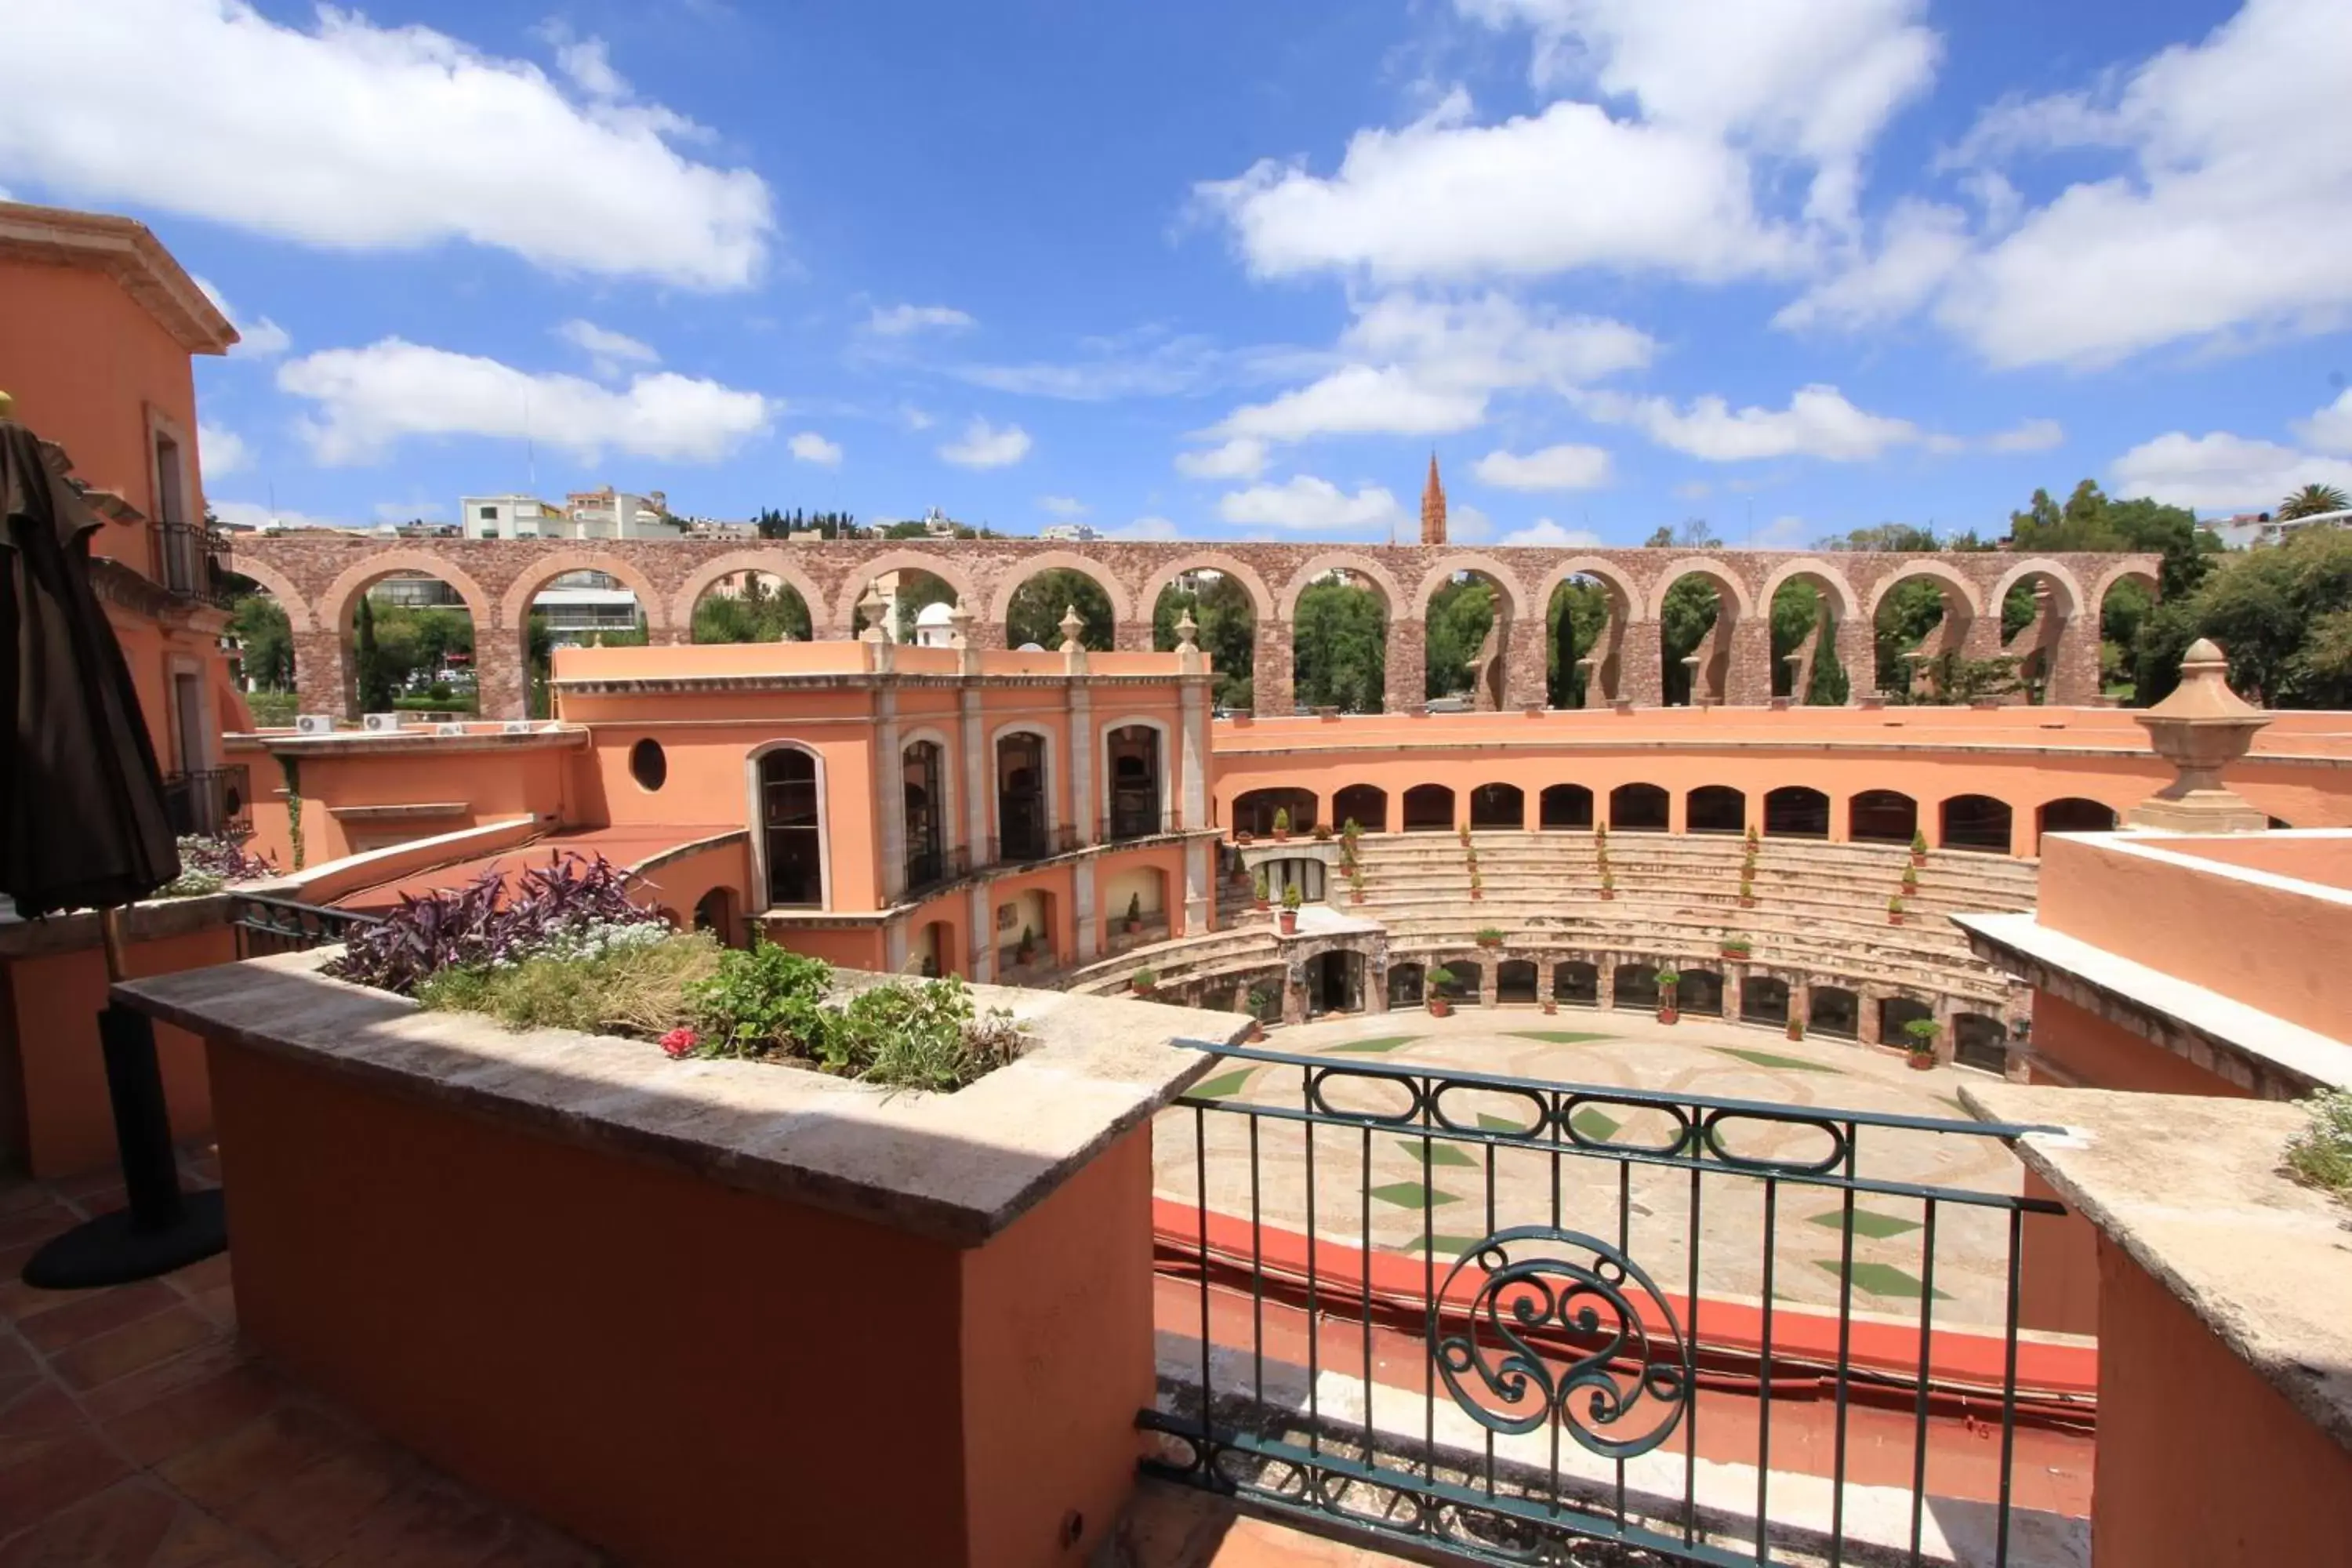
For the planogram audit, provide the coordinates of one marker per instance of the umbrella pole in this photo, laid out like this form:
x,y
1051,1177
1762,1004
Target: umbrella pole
x,y
164,1229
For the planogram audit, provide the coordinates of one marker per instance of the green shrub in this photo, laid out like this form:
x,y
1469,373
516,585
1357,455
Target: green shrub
x,y
637,989
1490,936
1144,979
1923,1033
1281,819
1291,898
1918,842
272,710
2321,1154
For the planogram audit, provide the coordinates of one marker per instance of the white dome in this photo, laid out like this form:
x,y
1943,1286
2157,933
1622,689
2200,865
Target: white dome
x,y
934,614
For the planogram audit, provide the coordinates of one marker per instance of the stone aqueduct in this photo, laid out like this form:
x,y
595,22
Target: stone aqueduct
x,y
318,578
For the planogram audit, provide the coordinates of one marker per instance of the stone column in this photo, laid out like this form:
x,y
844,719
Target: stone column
x,y
1980,638
1865,1022
1640,661
1544,968
499,676
1081,768
980,920
1200,888
1132,634
1270,670
1747,679
975,776
1801,1001
324,678
889,795
1604,968
1526,675
1857,652
1408,665
1376,986
1193,745
2074,663
894,944
1082,910
1294,993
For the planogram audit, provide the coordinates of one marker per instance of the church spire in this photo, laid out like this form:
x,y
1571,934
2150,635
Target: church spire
x,y
1432,506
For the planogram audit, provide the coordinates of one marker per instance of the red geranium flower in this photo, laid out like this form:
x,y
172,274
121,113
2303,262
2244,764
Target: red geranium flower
x,y
679,1041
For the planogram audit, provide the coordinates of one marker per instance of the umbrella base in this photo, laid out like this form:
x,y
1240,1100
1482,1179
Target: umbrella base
x,y
112,1249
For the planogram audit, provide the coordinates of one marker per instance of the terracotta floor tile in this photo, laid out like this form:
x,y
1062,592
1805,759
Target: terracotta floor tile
x,y
199,1540
76,1315
190,1417
36,1223
311,1516
101,1200
203,1275
139,1389
267,1451
43,1410
16,1357
531,1546
433,1525
17,1193
40,1476
118,1528
156,1337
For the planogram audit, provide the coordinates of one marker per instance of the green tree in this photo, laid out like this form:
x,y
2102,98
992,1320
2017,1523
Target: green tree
x,y
265,640
1885,537
1689,613
1340,635
2279,614
1227,633
1573,623
1796,610
1035,613
758,614
1460,616
375,681
2312,501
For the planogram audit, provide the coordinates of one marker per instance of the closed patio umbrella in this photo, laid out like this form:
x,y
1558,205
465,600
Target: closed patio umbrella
x,y
82,825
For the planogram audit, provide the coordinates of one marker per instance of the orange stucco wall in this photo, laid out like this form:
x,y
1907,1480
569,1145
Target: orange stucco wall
x,y
2307,859
2201,1463
2254,941
59,1121
483,785
2090,1051
680,884
636,1353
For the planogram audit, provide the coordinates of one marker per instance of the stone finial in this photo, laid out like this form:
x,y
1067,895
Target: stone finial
x,y
1071,627
871,607
1189,659
1186,631
960,626
2201,729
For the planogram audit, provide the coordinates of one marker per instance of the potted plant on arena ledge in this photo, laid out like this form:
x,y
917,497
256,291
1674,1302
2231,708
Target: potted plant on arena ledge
x,y
1143,980
1134,913
1026,950
1607,886
1321,832
1258,888
1738,945
1910,881
1919,848
1437,980
1796,1027
1668,978
1290,902
1895,911
1490,936
1477,884
1923,1033
1282,825
1747,892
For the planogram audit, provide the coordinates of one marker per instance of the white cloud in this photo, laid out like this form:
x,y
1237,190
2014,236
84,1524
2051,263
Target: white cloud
x,y
398,511
808,447
915,418
1568,188
350,136
605,349
2031,436
585,60
2228,212
986,446
905,320
1148,530
1465,524
256,338
370,398
1309,504
2330,429
1818,423
1144,362
1065,506
253,514
1561,468
1693,489
1814,80
1243,457
220,450
1357,400
1550,535
1490,341
2222,472
1783,533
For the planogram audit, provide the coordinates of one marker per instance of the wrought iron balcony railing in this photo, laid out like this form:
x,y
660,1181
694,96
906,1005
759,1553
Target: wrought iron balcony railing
x,y
1126,821
928,869
1517,1368
266,925
185,555
210,800
1020,843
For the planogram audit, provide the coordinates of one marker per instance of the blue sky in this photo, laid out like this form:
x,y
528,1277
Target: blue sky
x,y
1234,269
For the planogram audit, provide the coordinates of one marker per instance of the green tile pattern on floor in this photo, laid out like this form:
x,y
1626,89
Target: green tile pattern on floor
x,y
1490,1122
1412,1195
1881,1279
1222,1086
1450,1246
1774,1060
1877,1226
1372,1046
1439,1152
1597,1125
1560,1036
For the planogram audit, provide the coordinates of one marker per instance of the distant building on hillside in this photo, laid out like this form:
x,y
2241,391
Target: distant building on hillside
x,y
508,516
1073,532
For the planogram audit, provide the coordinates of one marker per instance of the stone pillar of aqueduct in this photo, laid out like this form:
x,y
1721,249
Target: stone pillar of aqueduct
x,y
320,577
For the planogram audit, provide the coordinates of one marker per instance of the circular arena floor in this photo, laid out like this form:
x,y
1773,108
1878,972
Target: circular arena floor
x,y
1441,1198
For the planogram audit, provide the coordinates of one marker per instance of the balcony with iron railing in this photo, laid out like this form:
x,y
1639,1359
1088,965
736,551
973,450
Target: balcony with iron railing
x,y
210,800
186,555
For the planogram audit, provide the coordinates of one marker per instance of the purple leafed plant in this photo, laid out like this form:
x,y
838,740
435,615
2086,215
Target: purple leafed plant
x,y
223,857
482,925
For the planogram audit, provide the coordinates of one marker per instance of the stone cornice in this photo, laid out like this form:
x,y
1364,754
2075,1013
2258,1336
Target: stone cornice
x,y
126,251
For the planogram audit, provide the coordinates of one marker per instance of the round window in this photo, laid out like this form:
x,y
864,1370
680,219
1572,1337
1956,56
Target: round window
x,y
649,765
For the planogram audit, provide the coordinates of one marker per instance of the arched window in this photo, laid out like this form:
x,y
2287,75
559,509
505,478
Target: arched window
x,y
1717,808
1894,1012
1637,808
1976,822
1575,983
1793,811
1254,811
1366,805
1881,816
2072,815
792,828
1566,806
1404,984
1635,984
1699,993
1515,980
1835,1012
1498,805
1021,798
1465,984
1763,1000
1428,808
1980,1042
923,772
1133,782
